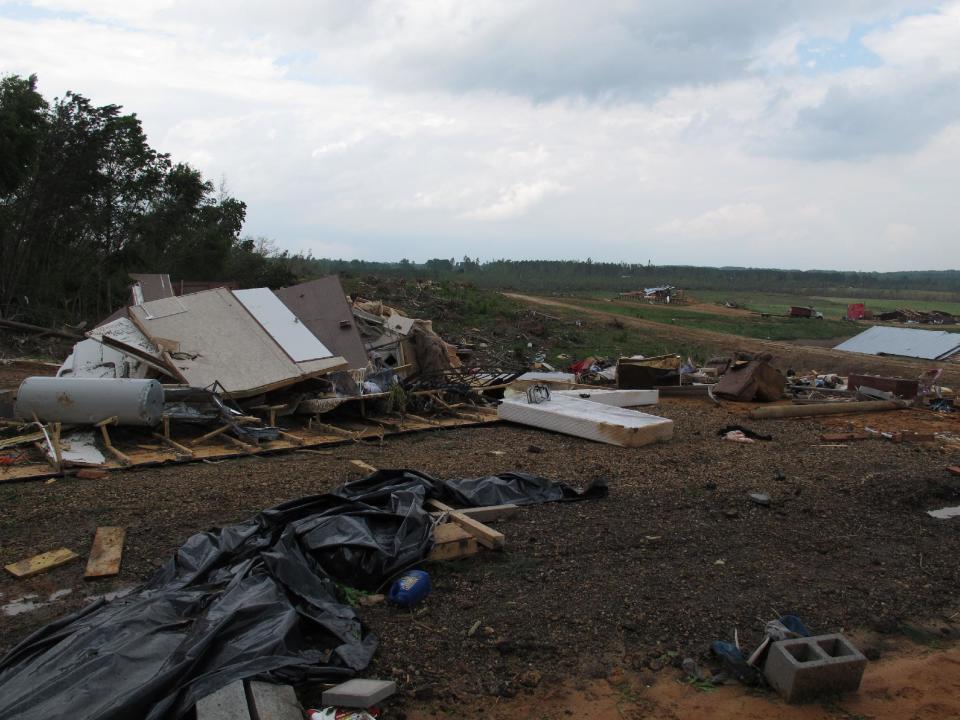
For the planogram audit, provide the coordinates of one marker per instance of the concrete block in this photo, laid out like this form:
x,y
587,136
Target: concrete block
x,y
359,693
227,703
804,669
273,702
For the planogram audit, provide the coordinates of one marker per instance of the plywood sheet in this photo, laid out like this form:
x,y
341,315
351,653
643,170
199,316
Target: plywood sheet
x,y
106,553
282,325
40,563
589,420
322,307
219,342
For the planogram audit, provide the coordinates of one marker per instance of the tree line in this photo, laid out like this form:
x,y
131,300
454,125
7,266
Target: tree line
x,y
586,275
85,200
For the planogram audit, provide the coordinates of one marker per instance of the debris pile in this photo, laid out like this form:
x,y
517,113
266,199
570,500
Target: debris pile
x,y
243,367
906,315
265,598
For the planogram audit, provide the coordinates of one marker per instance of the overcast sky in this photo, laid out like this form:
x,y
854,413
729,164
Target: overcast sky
x,y
773,133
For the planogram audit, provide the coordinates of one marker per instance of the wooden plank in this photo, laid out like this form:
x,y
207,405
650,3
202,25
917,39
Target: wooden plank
x,y
450,541
485,535
40,563
273,702
182,449
251,449
360,464
209,435
227,703
21,440
295,439
106,553
491,512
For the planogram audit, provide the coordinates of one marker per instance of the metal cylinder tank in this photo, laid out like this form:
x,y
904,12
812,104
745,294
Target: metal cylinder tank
x,y
86,401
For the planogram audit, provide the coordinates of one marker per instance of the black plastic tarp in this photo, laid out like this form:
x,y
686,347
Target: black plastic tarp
x,y
254,599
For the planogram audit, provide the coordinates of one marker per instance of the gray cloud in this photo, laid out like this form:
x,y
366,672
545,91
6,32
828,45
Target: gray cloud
x,y
859,123
546,50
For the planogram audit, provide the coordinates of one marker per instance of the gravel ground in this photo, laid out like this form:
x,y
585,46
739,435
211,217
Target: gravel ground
x,y
677,556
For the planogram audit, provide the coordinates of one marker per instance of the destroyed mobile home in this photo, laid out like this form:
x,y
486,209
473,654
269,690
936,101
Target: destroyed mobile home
x,y
223,372
229,372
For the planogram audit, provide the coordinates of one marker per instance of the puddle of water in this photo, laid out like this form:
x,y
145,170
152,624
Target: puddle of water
x,y
113,594
945,513
29,603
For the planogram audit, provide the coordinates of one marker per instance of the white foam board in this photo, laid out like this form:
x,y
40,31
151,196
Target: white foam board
x,y
615,398
590,420
282,325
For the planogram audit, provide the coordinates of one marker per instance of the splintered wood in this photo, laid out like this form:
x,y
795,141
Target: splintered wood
x,y
365,467
106,553
40,563
485,535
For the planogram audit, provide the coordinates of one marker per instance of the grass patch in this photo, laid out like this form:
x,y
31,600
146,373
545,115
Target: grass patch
x,y
753,326
832,306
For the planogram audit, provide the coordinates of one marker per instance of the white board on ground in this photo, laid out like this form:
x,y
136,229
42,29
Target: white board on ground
x,y
282,325
614,398
589,420
79,448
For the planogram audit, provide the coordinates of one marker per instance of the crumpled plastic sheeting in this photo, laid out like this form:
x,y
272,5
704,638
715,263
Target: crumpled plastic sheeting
x,y
254,599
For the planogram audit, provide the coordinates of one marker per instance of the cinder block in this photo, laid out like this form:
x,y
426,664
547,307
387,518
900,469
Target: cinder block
x,y
804,669
359,693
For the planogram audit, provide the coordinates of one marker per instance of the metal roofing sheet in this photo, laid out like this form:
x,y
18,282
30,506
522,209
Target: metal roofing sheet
x,y
880,340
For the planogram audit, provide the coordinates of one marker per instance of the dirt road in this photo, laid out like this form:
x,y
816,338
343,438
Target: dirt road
x,y
786,355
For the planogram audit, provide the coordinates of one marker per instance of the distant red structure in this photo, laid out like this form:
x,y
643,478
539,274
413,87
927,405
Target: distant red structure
x,y
856,311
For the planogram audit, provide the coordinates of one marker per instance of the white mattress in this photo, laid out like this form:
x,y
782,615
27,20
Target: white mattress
x,y
588,419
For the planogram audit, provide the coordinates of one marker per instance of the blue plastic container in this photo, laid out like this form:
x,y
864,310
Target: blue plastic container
x,y
410,588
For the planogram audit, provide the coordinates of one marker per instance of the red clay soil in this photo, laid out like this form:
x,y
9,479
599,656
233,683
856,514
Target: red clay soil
x,y
914,683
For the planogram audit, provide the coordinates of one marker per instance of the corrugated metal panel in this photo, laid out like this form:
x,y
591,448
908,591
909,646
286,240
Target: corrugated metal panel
x,y
926,344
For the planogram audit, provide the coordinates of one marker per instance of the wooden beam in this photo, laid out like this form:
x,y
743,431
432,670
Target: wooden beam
x,y
182,449
491,512
106,553
40,563
485,535
252,449
44,450
365,467
57,451
295,439
124,460
209,435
